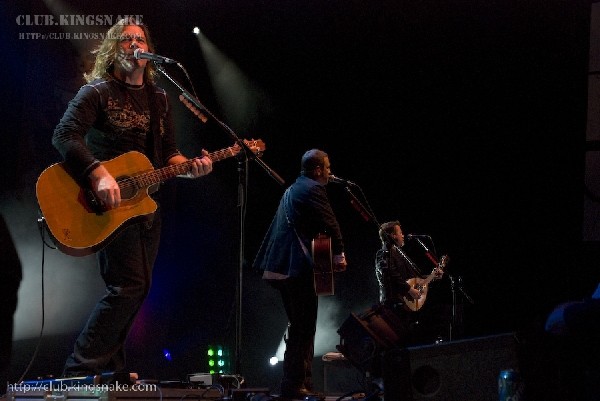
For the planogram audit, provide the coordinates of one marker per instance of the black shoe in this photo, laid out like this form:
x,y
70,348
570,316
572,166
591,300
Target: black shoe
x,y
301,393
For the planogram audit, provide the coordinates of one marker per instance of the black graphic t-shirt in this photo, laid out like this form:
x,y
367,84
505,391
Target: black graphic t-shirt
x,y
108,118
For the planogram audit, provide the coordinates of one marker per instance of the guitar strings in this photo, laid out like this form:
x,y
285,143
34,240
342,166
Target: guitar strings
x,y
155,176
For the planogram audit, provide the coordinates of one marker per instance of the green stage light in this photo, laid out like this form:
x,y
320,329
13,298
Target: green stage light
x,y
218,359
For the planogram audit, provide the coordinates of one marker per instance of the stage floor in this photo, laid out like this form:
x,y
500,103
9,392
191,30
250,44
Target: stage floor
x,y
465,369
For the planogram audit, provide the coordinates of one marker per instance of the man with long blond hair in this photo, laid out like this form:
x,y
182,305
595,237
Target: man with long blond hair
x,y
109,50
119,110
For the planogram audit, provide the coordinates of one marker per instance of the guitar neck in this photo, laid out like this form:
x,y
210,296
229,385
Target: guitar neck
x,y
441,265
162,174
429,278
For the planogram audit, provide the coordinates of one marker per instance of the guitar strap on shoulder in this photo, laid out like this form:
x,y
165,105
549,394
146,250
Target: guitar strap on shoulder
x,y
153,142
286,199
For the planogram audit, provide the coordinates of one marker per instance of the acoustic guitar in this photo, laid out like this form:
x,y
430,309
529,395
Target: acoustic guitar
x,y
77,220
323,265
422,284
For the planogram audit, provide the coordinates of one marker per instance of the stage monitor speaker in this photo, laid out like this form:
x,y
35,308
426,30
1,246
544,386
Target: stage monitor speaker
x,y
458,370
364,336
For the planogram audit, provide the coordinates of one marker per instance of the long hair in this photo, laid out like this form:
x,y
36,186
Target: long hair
x,y
107,51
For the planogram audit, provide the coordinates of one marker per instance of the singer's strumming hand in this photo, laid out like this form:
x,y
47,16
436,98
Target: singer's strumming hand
x,y
339,262
414,293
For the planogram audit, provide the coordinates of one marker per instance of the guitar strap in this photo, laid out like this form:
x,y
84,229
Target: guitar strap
x,y
286,199
153,142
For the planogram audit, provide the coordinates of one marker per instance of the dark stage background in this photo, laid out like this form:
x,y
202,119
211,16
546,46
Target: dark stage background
x,y
464,119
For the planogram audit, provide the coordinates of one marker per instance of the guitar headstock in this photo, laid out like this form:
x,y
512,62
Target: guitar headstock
x,y
438,271
256,145
443,262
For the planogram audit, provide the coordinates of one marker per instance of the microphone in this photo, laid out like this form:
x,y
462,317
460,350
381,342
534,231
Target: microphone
x,y
139,54
428,253
338,180
416,236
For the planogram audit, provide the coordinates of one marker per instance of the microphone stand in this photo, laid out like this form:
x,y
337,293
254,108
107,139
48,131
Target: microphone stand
x,y
359,207
462,291
453,319
432,258
248,155
367,215
453,287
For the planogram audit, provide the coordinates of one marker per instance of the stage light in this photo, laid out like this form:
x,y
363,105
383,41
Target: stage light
x,y
218,358
196,30
167,355
273,360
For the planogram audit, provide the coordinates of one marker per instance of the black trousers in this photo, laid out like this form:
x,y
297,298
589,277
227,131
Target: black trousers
x,y
126,267
301,304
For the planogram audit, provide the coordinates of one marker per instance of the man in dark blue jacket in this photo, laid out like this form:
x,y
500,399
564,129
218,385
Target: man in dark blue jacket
x,y
285,257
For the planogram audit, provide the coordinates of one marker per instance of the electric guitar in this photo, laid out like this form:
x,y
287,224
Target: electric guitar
x,y
78,221
323,265
423,285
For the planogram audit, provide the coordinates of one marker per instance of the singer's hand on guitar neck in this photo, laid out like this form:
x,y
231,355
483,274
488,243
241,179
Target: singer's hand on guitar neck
x,y
200,166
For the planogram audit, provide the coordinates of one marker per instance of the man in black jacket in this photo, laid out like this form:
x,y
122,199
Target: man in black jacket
x,y
285,257
394,270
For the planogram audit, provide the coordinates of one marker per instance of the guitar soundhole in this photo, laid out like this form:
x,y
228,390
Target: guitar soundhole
x,y
128,188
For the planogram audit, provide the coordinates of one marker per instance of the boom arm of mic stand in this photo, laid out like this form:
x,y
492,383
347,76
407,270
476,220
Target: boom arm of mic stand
x,y
462,290
248,152
371,216
410,262
428,253
358,206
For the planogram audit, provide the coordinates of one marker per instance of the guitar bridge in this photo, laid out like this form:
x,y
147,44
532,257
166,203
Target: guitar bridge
x,y
95,204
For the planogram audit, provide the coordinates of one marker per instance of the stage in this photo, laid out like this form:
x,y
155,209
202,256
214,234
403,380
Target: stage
x,y
465,369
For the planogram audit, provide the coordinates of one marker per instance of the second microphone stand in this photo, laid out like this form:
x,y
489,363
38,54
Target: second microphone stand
x,y
368,215
198,108
453,287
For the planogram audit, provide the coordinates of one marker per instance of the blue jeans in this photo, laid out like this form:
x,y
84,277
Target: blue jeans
x,y
126,267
